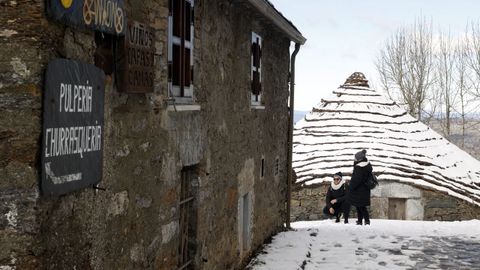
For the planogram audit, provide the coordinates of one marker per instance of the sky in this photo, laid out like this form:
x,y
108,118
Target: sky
x,y
346,36
385,244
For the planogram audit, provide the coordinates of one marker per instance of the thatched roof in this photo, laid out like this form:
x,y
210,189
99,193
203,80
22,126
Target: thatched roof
x,y
400,148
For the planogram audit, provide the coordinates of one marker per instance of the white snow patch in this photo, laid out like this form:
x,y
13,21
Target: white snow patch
x,y
385,244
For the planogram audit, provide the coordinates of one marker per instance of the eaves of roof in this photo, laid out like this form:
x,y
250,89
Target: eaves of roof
x,y
270,12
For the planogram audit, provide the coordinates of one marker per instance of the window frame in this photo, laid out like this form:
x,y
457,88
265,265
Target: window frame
x,y
256,99
181,93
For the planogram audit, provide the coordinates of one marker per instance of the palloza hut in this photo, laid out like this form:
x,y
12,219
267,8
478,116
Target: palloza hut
x,y
422,175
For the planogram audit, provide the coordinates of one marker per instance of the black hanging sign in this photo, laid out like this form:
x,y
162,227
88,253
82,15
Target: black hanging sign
x,y
107,16
72,144
136,59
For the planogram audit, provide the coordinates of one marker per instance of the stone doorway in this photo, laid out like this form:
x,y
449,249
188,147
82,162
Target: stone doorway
x,y
396,208
244,215
246,221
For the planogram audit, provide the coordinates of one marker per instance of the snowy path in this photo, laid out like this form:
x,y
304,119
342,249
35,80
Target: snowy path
x,y
386,244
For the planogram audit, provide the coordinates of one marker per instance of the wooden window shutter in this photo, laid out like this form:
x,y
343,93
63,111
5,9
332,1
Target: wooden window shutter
x,y
256,85
177,17
257,53
176,67
256,62
188,20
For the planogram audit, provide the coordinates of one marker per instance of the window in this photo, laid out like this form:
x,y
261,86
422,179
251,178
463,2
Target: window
x,y
256,70
262,170
180,50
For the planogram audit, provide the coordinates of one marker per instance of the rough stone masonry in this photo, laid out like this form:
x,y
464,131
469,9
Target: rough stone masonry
x,y
132,220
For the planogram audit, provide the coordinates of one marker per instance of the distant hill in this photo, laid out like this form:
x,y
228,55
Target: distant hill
x,y
298,115
469,144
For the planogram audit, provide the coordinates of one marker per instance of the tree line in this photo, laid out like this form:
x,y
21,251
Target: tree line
x,y
434,75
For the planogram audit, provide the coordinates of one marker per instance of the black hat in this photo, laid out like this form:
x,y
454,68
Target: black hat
x,y
360,155
339,174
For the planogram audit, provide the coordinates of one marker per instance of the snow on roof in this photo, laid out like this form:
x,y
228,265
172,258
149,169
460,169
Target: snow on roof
x,y
400,148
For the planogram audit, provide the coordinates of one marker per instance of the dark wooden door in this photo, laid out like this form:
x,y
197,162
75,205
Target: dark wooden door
x,y
396,208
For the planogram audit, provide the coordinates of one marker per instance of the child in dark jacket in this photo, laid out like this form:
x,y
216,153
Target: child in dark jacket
x,y
336,199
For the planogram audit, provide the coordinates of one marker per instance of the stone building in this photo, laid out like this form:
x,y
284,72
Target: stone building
x,y
422,176
190,141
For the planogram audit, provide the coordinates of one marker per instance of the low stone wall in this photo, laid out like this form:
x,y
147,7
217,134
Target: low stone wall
x,y
439,206
308,202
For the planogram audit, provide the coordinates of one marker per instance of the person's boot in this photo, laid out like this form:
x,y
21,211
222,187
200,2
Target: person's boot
x,y
359,222
337,219
367,222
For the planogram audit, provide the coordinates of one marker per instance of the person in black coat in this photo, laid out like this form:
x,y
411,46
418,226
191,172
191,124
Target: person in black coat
x,y
359,193
336,199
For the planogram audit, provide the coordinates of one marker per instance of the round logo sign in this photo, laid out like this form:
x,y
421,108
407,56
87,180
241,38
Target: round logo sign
x,y
66,3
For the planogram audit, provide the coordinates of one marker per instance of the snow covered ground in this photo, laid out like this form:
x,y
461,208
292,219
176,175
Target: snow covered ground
x,y
385,244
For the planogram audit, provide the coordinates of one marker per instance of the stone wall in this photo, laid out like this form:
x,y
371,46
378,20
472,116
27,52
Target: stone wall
x,y
440,206
308,203
421,204
27,42
237,135
134,222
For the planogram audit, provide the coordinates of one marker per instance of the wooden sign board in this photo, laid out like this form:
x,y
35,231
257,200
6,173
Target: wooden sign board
x,y
136,59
